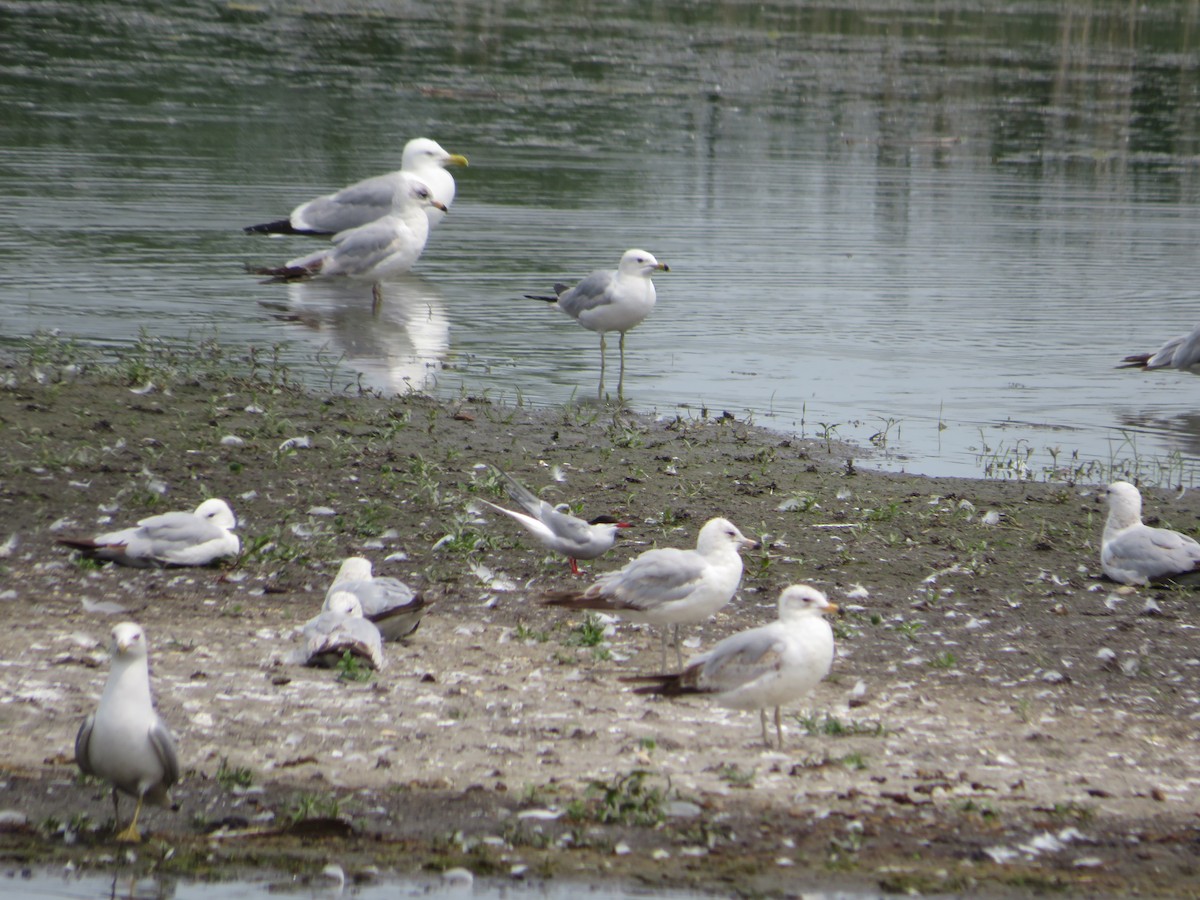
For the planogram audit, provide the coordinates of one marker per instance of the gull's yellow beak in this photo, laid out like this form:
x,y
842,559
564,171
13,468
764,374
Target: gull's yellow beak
x,y
438,204
830,609
664,267
455,159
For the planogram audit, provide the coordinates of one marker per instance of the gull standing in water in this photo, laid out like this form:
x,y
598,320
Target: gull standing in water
x,y
169,539
1135,553
611,300
559,531
381,249
1180,352
766,666
388,603
370,199
124,741
670,587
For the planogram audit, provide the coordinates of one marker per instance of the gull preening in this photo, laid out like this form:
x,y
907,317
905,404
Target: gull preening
x,y
768,666
381,249
170,539
1180,352
1132,552
388,603
557,530
370,199
670,587
611,300
124,741
340,629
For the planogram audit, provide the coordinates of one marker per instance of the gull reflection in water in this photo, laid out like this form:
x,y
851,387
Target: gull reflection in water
x,y
397,344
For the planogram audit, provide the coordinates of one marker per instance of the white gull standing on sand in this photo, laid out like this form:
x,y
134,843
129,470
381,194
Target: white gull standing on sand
x,y
667,586
370,199
763,667
124,741
195,538
388,603
611,300
556,530
1132,552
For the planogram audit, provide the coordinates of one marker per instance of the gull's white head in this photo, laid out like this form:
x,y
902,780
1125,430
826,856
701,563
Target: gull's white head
x,y
128,641
421,152
717,534
414,191
344,603
354,568
218,512
639,262
1124,504
802,600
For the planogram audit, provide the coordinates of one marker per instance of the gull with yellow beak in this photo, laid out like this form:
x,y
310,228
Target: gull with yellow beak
x,y
370,199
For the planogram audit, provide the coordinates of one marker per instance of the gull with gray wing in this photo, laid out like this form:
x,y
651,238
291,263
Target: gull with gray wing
x,y
372,198
611,300
763,667
195,538
1132,552
124,741
668,586
557,530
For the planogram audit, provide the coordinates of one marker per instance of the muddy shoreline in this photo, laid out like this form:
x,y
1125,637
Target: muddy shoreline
x,y
971,738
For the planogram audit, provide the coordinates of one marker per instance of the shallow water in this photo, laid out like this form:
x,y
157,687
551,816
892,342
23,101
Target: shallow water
x,y
938,225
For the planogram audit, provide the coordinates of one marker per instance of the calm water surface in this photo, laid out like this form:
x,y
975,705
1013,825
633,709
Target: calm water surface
x,y
940,224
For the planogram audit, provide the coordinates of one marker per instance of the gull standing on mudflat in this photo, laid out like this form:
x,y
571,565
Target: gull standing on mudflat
x,y
611,300
370,199
1180,352
559,531
670,587
1134,553
340,629
124,741
388,603
382,249
766,666
170,539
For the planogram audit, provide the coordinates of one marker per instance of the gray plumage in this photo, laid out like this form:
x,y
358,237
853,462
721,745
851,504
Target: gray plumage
x,y
170,539
1132,552
559,531
124,741
388,603
369,199
611,300
763,667
340,629
1180,352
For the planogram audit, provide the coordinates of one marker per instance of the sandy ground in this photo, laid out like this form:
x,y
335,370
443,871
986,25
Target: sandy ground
x,y
998,719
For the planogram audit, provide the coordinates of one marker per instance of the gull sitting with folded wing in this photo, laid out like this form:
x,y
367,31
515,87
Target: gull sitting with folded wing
x,y
388,603
1132,552
195,538
340,629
